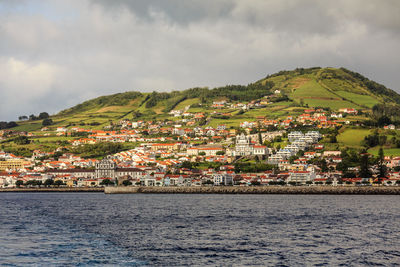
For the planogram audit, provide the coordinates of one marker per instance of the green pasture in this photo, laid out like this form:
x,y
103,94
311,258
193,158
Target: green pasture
x,y
353,137
364,100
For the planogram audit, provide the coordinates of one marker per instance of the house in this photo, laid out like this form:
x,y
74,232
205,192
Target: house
x,y
285,153
389,127
275,159
167,147
148,180
61,129
260,150
331,154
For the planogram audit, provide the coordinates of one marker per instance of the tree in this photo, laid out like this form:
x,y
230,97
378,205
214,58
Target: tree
x,y
364,166
11,124
381,163
18,183
58,183
202,153
126,182
384,120
260,140
187,165
7,125
106,182
323,165
207,182
32,117
23,117
21,140
43,115
220,153
47,122
48,182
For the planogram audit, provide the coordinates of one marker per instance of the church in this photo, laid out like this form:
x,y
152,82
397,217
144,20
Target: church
x,y
244,147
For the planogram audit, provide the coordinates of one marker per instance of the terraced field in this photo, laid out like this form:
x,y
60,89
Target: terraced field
x,y
313,94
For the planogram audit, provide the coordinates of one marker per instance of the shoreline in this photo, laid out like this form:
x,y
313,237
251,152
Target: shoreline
x,y
300,190
306,190
53,190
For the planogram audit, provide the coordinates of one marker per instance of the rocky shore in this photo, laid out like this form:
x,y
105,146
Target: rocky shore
x,y
55,190
331,190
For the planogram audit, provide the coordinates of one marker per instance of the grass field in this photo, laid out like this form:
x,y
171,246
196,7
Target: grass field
x,y
53,138
230,122
387,151
187,102
314,90
28,126
334,104
341,85
365,100
314,95
353,137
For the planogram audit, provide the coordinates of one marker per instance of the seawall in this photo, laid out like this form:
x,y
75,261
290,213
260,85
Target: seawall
x,y
55,190
331,190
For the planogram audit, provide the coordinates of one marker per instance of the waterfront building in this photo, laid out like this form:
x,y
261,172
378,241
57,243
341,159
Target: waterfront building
x,y
301,176
222,179
105,168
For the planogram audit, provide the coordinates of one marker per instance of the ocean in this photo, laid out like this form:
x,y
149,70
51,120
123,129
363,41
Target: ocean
x,y
94,229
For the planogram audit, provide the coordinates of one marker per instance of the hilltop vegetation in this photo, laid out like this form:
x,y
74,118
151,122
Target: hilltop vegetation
x,y
298,89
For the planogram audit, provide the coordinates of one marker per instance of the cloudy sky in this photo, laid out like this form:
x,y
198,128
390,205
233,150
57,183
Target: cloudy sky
x,y
55,54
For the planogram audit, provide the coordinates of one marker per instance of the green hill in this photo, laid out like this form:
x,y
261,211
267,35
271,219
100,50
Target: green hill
x,y
288,92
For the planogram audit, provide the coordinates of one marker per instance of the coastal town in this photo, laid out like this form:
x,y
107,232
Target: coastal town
x,y
186,151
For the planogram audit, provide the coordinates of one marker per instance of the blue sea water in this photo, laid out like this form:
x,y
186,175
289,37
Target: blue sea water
x,y
94,229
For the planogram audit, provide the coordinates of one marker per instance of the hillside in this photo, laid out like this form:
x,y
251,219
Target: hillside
x,y
281,94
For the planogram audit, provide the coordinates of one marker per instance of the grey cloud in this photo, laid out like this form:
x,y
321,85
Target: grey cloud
x,y
75,50
182,12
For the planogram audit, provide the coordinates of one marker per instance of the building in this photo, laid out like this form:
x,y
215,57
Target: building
x,y
222,179
208,151
260,150
296,135
105,168
12,164
301,176
243,147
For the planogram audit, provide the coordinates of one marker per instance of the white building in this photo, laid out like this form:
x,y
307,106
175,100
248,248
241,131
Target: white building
x,y
275,159
243,147
301,176
260,150
285,153
293,136
222,179
293,148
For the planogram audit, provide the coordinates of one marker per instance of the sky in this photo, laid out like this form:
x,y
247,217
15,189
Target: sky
x,y
56,54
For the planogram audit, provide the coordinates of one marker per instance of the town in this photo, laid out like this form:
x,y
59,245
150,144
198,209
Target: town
x,y
187,151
